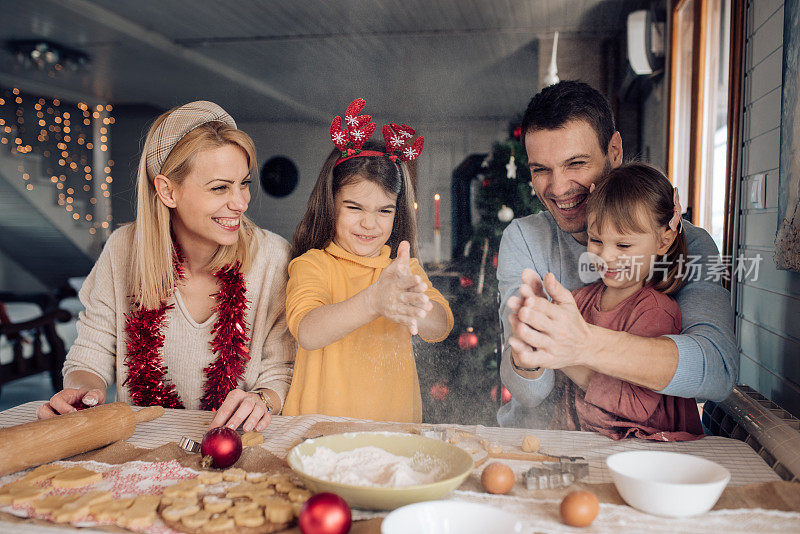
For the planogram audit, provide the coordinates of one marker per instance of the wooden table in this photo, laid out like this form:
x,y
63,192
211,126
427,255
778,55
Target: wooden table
x,y
284,432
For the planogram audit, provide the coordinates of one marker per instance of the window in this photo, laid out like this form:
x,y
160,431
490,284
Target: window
x,y
711,205
681,98
698,136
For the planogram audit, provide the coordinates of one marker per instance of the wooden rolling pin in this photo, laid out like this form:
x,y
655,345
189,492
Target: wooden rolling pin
x,y
48,440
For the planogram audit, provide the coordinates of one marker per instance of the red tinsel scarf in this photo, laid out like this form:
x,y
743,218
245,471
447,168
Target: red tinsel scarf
x,y
146,380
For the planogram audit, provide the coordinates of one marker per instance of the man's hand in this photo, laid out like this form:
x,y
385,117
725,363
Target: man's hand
x,y
400,295
548,334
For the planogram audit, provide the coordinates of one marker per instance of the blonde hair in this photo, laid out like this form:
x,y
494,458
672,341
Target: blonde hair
x,y
152,274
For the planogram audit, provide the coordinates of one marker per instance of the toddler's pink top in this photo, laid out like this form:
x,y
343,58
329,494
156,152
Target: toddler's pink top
x,y
616,408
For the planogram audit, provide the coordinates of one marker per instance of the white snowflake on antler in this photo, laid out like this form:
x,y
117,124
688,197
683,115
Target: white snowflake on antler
x,y
357,135
352,121
396,141
405,134
410,153
339,138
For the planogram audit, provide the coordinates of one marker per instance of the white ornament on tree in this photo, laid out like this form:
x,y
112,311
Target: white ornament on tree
x,y
511,169
533,189
505,214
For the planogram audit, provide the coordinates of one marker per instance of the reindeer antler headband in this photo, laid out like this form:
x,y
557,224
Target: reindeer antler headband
x,y
360,128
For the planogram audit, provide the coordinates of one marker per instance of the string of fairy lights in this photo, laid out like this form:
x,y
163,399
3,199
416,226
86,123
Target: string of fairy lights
x,y
72,142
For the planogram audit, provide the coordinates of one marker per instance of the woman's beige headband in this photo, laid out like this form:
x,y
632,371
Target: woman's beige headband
x,y
180,122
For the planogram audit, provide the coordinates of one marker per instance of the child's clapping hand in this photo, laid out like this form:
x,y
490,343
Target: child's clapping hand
x,y
400,295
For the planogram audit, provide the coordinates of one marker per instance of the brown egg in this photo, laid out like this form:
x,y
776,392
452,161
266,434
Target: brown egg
x,y
579,508
497,478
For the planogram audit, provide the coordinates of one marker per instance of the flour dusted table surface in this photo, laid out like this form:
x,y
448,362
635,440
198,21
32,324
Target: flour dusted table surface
x,y
284,432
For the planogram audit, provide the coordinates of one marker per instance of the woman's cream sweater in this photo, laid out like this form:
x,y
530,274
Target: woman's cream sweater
x,y
101,348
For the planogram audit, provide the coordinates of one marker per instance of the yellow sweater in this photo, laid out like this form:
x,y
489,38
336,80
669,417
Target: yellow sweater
x,y
368,374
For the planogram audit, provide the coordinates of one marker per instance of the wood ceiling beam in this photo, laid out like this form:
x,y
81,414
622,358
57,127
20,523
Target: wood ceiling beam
x,y
161,43
530,32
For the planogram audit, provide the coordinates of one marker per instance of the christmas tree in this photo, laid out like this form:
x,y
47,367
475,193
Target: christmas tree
x,y
464,386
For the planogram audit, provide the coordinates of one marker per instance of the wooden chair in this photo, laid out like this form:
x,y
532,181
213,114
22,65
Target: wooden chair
x,y
34,343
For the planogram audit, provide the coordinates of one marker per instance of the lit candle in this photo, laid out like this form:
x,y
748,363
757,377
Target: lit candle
x,y
437,246
437,234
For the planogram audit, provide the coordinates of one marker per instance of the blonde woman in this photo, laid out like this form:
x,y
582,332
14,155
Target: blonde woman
x,y
185,308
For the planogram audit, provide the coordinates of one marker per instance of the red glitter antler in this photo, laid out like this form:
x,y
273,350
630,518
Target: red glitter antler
x,y
338,136
350,115
359,129
359,136
397,139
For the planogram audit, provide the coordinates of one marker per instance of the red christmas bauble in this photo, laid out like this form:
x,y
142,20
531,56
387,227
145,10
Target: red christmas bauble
x,y
440,391
494,261
221,447
468,340
486,182
325,513
517,132
465,281
506,395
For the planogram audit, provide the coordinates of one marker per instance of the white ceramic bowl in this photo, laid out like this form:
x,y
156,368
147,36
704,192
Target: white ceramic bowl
x,y
450,517
667,483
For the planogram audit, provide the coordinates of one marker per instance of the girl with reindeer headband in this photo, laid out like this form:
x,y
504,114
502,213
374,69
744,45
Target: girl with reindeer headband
x,y
185,306
352,308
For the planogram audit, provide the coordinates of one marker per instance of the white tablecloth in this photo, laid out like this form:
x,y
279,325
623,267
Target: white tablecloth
x,y
541,515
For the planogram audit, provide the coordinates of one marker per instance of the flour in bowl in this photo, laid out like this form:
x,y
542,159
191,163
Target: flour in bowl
x,y
373,466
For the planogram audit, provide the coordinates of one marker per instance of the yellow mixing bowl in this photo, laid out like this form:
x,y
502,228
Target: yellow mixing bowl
x,y
459,465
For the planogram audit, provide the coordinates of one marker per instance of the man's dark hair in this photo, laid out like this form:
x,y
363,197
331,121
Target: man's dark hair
x,y
569,100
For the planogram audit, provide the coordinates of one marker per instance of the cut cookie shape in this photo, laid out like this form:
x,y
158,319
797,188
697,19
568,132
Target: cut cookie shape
x,y
110,510
142,512
252,438
76,477
42,473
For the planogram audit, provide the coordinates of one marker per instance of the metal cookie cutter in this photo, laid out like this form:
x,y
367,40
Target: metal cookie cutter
x,y
189,445
560,474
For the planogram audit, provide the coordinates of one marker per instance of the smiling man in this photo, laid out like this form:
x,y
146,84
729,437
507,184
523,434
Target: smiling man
x,y
570,138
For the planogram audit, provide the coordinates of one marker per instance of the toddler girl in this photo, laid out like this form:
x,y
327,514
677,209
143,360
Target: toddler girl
x,y
636,241
352,308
